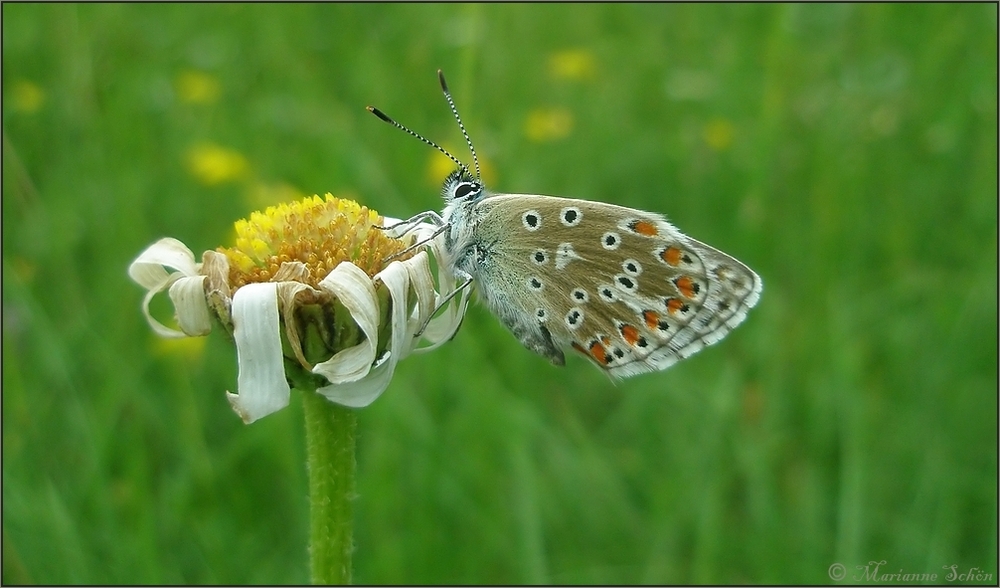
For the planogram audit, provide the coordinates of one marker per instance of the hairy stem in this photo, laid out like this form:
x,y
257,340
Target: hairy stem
x,y
330,442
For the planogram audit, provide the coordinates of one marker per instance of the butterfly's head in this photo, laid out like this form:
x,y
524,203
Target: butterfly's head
x,y
461,187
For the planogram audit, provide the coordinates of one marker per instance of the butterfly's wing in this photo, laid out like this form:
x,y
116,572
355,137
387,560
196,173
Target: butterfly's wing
x,y
621,286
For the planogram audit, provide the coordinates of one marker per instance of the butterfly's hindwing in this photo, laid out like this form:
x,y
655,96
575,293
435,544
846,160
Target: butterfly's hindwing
x,y
621,286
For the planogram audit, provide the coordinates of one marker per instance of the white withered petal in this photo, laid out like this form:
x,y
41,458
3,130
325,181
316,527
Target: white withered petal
x,y
185,285
261,383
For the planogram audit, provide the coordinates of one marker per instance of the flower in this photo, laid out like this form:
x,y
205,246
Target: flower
x,y
195,87
548,124
313,291
213,164
719,134
27,96
572,64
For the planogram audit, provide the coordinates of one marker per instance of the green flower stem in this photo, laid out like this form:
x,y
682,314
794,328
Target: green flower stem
x,y
330,442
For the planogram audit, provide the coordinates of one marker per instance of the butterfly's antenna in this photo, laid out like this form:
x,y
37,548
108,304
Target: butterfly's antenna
x,y
447,95
386,118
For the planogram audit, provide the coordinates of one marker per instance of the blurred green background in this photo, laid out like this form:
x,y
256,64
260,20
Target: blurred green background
x,y
848,153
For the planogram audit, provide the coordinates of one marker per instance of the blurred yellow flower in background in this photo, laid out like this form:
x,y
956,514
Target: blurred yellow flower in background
x,y
719,134
196,87
572,64
23,268
213,164
188,348
26,96
548,124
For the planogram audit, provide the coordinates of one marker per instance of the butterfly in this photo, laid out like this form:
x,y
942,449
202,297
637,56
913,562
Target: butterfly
x,y
622,287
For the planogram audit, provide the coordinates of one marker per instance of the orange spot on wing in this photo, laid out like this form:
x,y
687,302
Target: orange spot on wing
x,y
671,255
686,286
652,318
630,334
644,228
675,304
599,353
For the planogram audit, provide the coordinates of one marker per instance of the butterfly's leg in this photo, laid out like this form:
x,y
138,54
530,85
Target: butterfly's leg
x,y
408,224
414,220
418,244
466,282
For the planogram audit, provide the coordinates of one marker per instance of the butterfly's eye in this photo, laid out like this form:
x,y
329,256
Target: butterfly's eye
x,y
465,188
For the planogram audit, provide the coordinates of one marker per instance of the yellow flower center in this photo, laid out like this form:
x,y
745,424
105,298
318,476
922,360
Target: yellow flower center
x,y
316,232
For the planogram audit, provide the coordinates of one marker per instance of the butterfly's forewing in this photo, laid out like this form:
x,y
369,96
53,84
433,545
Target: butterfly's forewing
x,y
621,286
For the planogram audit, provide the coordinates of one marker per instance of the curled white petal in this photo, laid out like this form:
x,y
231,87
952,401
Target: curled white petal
x,y
442,328
422,283
261,384
352,286
397,280
364,391
190,305
148,270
